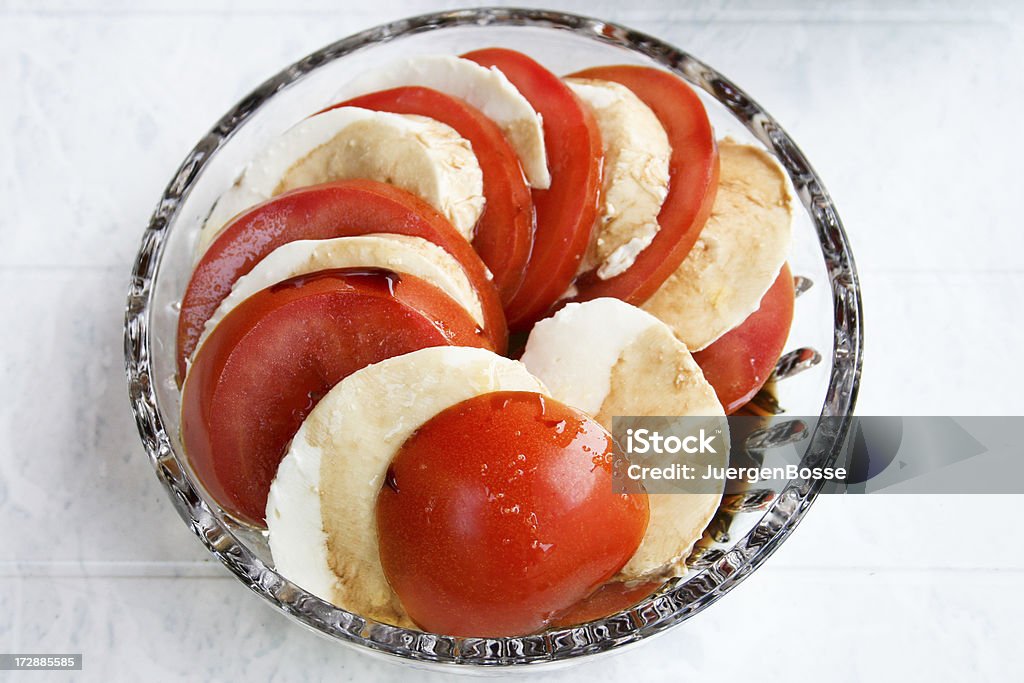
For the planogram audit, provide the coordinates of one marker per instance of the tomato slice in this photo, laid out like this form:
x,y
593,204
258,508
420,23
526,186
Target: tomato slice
x,y
337,209
499,512
693,181
270,360
609,599
739,363
504,234
567,210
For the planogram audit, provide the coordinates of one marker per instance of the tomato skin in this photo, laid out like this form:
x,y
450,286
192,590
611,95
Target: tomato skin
x,y
567,210
693,182
337,209
268,362
499,513
609,599
504,234
739,363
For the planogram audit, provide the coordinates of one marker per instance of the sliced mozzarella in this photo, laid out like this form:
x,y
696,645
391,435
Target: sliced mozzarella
x,y
415,153
576,349
487,89
612,359
400,253
635,181
321,510
739,252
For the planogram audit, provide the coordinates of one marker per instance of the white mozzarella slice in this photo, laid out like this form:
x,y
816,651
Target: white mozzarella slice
x,y
321,511
576,349
612,359
739,252
635,180
487,89
415,153
401,253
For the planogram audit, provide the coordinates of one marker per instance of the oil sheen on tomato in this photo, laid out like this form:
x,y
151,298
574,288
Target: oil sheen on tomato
x,y
498,514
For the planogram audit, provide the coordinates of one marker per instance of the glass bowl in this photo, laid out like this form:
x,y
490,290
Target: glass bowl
x,y
748,528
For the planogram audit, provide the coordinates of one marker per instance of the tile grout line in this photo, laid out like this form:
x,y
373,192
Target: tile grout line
x,y
996,17
74,267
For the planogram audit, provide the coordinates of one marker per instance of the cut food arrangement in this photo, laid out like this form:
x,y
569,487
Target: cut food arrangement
x,y
347,380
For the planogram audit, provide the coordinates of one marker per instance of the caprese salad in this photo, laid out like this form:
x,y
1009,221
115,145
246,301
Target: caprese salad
x,y
342,341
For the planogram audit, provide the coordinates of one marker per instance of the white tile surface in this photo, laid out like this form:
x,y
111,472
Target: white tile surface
x,y
907,109
845,625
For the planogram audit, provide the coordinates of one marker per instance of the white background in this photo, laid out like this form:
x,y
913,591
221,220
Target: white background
x,y
910,112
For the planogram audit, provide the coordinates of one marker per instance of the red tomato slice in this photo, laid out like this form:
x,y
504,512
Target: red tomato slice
x,y
567,210
498,513
504,234
739,363
270,360
609,599
693,181
338,209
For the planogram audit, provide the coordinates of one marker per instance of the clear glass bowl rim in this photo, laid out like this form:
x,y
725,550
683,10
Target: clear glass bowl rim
x,y
667,608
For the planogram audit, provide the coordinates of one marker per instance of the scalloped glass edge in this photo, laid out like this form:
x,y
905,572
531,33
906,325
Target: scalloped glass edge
x,y
672,604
